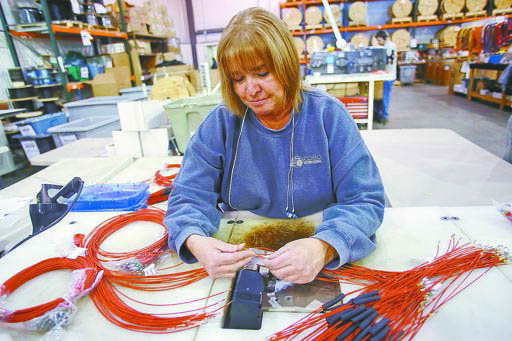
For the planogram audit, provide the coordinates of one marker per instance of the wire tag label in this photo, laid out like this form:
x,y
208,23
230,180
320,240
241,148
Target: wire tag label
x,y
150,270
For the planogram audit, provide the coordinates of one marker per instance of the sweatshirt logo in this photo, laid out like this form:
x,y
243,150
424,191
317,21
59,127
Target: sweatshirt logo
x,y
299,161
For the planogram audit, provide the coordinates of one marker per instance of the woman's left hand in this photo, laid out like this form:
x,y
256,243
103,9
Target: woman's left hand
x,y
300,260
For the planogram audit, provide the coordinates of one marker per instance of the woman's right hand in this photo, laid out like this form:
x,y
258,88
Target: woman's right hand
x,y
219,259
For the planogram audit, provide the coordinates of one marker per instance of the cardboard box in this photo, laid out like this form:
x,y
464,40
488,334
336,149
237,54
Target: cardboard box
x,y
112,48
168,56
120,59
176,68
143,47
109,83
195,80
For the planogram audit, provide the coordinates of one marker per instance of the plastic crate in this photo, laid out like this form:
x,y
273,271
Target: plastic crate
x,y
98,106
94,126
35,145
39,125
407,74
112,197
138,90
185,116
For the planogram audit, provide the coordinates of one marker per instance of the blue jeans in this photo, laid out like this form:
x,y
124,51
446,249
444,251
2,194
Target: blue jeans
x,y
508,149
381,108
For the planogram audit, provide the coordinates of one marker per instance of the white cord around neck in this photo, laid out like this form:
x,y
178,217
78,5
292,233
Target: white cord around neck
x,y
291,214
234,160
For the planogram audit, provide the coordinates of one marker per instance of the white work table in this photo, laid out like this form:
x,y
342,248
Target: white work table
x,y
90,170
87,147
17,225
407,238
437,167
371,78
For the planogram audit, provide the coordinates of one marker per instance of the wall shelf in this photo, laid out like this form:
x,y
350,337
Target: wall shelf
x,y
74,31
391,26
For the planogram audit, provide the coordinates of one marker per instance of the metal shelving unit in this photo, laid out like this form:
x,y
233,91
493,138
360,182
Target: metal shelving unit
x,y
54,32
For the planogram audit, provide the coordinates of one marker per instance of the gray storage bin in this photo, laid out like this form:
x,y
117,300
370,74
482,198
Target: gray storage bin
x,y
93,126
135,91
407,74
105,106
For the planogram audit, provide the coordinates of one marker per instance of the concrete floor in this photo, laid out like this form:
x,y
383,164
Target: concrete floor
x,y
430,106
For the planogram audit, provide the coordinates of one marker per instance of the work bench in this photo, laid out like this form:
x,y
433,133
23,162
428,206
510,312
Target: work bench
x,y
408,237
419,167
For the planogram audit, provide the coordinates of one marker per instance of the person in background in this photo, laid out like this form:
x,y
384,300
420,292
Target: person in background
x,y
381,108
280,151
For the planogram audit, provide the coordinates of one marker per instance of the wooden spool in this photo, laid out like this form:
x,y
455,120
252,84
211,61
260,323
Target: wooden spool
x,y
402,39
401,8
359,40
357,12
299,44
313,15
314,44
427,8
336,13
475,5
448,35
452,6
292,17
502,4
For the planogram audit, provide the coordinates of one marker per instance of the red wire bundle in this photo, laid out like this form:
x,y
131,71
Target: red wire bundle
x,y
36,270
406,298
164,181
148,283
107,298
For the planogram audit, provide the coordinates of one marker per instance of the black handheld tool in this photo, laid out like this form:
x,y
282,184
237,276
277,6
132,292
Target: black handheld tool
x,y
245,310
48,211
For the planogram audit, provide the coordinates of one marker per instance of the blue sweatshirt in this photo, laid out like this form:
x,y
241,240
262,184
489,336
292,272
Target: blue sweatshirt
x,y
241,164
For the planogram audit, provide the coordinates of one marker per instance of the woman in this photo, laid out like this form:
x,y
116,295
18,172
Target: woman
x,y
279,151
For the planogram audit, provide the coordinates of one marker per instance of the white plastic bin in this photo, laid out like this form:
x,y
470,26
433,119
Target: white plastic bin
x,y
105,106
94,126
407,74
138,90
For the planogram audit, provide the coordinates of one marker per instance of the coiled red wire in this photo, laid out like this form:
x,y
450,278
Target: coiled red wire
x,y
164,181
47,265
109,300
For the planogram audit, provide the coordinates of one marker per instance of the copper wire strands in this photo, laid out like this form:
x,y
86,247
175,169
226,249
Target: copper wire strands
x,y
276,234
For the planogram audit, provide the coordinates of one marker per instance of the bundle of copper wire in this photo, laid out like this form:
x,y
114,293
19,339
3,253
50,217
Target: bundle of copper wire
x,y
400,302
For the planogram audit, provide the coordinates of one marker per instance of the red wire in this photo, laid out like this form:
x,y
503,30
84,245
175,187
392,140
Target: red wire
x,y
36,270
162,180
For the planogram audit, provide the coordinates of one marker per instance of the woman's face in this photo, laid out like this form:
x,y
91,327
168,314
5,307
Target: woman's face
x,y
259,90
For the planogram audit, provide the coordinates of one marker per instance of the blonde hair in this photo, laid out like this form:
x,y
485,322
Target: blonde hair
x,y
252,36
